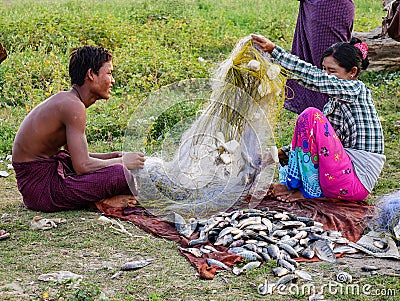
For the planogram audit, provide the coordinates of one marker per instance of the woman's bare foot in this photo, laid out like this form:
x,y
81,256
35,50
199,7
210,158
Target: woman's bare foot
x,y
292,196
276,190
282,193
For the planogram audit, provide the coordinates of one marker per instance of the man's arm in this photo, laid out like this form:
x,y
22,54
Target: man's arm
x,y
106,156
74,117
82,161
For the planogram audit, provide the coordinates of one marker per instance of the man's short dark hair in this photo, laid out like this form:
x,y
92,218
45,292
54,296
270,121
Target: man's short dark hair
x,y
84,58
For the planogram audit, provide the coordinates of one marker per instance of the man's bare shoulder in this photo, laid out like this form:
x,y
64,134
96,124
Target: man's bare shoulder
x,y
50,120
64,96
63,102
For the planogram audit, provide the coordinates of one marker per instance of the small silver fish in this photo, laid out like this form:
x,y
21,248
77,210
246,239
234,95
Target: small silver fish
x,y
203,238
279,233
225,231
314,229
303,275
300,235
323,251
267,223
264,254
286,279
334,233
184,229
290,260
273,251
257,227
251,247
396,231
134,265
217,263
281,216
284,263
247,267
236,250
224,240
205,251
236,243
289,249
280,271
266,287
345,249
369,268
307,253
304,219
194,251
249,221
292,224
208,248
249,255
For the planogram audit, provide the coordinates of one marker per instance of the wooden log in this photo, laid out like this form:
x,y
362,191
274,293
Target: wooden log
x,y
383,52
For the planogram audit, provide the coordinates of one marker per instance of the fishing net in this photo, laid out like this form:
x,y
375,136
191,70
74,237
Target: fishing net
x,y
220,147
387,215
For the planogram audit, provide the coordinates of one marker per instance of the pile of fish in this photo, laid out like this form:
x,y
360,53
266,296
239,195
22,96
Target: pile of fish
x,y
259,236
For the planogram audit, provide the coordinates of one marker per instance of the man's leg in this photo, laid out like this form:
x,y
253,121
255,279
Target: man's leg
x,y
84,190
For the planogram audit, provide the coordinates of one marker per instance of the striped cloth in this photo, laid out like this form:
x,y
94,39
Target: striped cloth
x,y
51,185
320,24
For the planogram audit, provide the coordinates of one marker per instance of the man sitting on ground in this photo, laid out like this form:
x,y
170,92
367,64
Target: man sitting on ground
x,y
50,156
3,56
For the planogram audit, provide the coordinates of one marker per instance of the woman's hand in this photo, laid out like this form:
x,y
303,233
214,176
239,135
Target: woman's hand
x,y
263,43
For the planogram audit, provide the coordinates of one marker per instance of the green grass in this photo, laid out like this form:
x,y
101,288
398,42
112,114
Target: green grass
x,y
155,43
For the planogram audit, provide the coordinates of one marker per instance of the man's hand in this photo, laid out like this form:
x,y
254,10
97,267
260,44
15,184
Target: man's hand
x,y
262,42
134,160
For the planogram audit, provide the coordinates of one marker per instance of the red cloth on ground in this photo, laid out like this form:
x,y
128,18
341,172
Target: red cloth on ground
x,y
348,217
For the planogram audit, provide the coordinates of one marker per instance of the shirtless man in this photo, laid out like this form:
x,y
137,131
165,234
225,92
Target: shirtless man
x,y
3,56
53,167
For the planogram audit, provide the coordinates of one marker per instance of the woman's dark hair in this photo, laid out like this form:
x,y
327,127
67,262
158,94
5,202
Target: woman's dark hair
x,y
347,55
84,58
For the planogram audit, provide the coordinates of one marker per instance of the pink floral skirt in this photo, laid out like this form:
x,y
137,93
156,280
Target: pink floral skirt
x,y
318,164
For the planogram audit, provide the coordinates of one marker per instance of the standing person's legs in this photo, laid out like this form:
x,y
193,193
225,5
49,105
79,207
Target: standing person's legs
x,y
320,23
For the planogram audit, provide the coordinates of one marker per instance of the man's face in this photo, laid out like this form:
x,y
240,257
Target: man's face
x,y
104,80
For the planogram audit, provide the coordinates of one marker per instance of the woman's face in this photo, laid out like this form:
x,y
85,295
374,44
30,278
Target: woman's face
x,y
331,66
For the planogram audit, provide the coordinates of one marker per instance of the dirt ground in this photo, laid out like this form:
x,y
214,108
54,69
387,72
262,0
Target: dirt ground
x,y
9,194
356,261
351,263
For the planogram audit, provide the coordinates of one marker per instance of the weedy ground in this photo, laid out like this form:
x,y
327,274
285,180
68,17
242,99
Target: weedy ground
x,y
155,43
